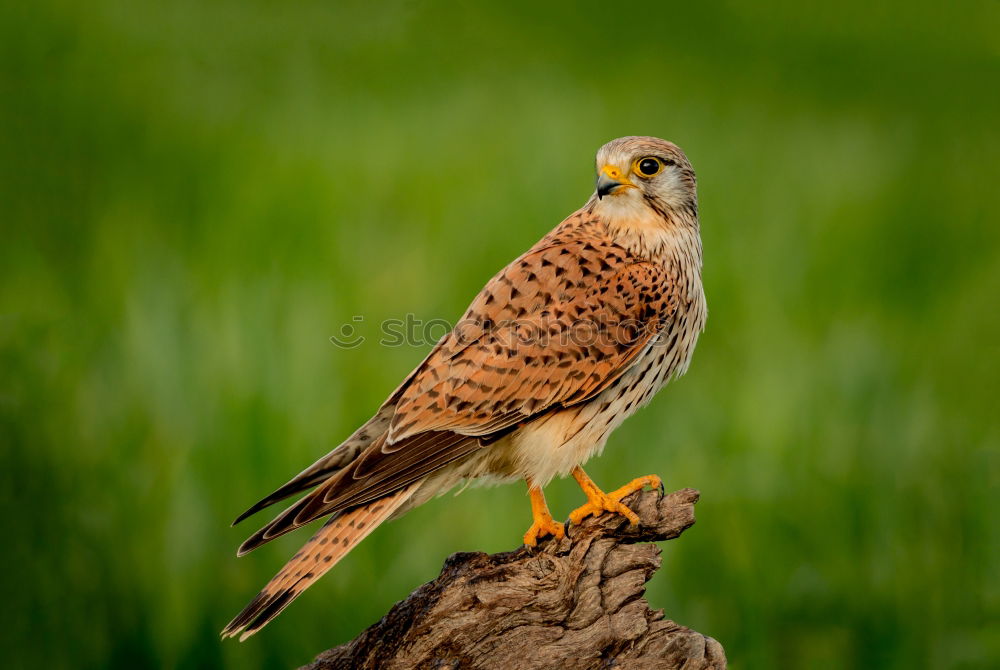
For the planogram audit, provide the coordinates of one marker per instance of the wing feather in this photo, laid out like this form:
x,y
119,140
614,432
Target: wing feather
x,y
554,328
340,457
343,490
584,311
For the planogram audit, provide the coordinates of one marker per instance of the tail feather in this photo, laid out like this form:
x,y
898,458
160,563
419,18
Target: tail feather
x,y
337,537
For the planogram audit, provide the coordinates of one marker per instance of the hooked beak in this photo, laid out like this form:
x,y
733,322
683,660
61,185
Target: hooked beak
x,y
609,179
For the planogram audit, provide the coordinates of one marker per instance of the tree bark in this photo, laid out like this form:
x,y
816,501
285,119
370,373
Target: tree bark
x,y
576,603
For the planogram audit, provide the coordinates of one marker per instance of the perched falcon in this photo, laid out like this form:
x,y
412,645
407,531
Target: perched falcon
x,y
553,354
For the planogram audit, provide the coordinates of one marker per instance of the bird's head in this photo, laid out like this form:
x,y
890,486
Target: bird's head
x,y
639,176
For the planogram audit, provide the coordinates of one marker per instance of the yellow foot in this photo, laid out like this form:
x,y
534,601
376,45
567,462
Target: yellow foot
x,y
599,502
542,527
543,524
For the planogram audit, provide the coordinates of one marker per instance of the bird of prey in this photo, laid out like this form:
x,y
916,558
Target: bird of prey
x,y
552,355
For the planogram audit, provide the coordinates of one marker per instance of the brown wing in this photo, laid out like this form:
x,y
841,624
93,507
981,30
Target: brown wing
x,y
359,483
342,456
554,328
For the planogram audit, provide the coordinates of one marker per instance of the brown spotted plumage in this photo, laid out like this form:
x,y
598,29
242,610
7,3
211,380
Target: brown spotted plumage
x,y
331,543
554,353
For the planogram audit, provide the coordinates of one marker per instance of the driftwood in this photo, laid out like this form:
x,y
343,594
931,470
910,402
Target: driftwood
x,y
576,603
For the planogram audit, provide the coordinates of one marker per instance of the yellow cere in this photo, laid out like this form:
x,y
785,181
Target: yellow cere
x,y
616,174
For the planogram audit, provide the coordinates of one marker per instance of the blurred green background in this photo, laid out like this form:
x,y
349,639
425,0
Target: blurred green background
x,y
195,196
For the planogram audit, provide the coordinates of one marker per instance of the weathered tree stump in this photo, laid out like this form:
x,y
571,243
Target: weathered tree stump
x,y
576,603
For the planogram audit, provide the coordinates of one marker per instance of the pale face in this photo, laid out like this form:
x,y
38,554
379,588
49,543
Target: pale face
x,y
640,175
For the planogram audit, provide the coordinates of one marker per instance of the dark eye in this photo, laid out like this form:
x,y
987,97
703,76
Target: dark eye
x,y
648,166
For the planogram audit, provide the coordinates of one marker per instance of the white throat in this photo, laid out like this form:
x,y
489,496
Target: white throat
x,y
635,225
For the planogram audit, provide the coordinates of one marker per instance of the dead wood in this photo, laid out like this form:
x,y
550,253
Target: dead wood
x,y
576,603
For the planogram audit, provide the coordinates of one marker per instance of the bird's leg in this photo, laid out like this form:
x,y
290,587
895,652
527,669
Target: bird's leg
x,y
543,524
599,502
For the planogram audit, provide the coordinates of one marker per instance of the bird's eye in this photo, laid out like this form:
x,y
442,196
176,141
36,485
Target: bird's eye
x,y
649,166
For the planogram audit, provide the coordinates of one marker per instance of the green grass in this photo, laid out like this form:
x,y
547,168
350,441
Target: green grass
x,y
195,197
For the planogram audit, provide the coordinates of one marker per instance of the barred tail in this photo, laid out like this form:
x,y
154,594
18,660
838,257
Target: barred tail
x,y
337,537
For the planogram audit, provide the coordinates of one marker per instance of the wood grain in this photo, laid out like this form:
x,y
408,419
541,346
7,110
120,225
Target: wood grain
x,y
575,603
